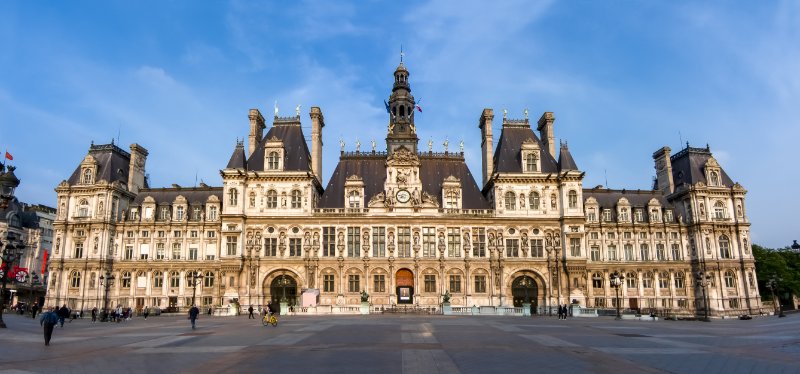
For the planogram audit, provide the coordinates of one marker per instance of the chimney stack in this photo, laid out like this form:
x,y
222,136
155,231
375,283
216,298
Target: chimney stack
x,y
546,132
664,181
486,143
257,127
136,173
317,123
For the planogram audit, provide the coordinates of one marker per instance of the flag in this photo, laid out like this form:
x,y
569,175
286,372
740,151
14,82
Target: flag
x,y
419,108
387,106
8,156
44,262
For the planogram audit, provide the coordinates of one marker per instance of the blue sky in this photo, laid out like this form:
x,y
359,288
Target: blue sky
x,y
624,78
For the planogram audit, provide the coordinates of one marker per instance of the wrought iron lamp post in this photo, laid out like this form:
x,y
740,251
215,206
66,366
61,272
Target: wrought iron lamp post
x,y
773,284
11,253
525,283
616,281
106,281
283,282
704,280
193,277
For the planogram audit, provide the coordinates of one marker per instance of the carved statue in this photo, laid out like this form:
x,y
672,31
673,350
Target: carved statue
x,y
297,110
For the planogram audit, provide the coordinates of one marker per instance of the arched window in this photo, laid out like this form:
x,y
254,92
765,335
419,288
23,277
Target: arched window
x,y
272,199
647,280
724,247
730,280
208,279
714,178
623,215
158,279
174,279
297,199
573,199
272,161
663,280
597,280
75,279
87,176
534,200
252,199
180,212
83,208
719,210
680,280
531,161
511,201
125,279
354,199
233,196
630,280
212,213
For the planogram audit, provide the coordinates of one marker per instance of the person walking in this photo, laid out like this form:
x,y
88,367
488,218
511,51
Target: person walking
x,y
250,310
48,320
62,314
94,315
34,310
566,311
193,313
146,312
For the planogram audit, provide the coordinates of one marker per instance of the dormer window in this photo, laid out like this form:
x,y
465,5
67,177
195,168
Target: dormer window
x,y
511,201
451,199
713,178
531,162
639,215
83,208
354,199
624,215
272,161
87,176
713,173
719,210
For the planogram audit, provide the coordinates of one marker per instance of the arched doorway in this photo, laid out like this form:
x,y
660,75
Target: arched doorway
x,y
283,287
404,283
525,290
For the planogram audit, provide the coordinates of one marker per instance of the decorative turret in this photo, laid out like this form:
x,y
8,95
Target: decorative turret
x,y
402,130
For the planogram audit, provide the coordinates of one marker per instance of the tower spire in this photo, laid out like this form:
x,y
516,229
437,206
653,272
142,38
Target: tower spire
x,y
402,130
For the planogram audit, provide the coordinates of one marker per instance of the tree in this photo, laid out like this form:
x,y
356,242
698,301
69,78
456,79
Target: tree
x,y
780,263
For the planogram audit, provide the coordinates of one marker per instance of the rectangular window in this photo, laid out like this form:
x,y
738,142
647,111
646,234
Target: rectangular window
x,y
599,302
353,242
644,251
639,215
211,234
161,234
453,242
160,251
479,242
455,283
327,283
158,280
129,234
594,235
379,241
193,253
193,234
176,234
629,252
626,235
512,247
428,242
329,241
611,235
607,215
270,247
595,253
354,283
295,247
230,245
537,248
403,242
145,234
661,253
663,281
128,252
379,283
642,235
676,252
480,284
575,247
683,303
430,283
176,251
612,253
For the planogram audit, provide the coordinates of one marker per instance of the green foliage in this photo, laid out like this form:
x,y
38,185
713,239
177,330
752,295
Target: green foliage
x,y
781,263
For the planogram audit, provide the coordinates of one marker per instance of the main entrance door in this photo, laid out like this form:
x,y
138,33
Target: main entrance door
x,y
524,289
404,282
284,286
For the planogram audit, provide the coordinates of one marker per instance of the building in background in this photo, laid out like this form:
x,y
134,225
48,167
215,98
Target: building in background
x,y
404,224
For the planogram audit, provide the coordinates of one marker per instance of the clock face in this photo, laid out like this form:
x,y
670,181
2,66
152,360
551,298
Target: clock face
x,y
403,196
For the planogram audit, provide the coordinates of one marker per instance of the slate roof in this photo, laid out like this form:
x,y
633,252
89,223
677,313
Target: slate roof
x,y
607,199
194,196
372,170
507,156
112,164
238,158
296,156
565,160
688,166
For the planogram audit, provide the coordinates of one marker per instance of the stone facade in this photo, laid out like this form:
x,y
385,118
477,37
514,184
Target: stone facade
x,y
405,225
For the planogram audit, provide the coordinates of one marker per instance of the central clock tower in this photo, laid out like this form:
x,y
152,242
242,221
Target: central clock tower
x,y
402,131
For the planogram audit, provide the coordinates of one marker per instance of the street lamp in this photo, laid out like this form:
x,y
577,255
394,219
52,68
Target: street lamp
x,y
193,277
704,280
616,281
8,182
11,253
526,282
106,281
772,285
283,282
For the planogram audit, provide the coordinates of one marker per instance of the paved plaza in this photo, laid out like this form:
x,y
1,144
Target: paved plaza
x,y
404,344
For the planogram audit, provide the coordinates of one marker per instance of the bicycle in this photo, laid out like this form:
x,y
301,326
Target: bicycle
x,y
270,319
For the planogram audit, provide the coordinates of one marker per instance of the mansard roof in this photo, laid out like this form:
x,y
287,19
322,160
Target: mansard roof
x,y
507,156
238,158
193,195
688,166
433,169
608,199
296,156
113,164
565,160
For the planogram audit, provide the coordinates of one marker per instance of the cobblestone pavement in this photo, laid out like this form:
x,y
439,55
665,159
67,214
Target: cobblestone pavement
x,y
404,344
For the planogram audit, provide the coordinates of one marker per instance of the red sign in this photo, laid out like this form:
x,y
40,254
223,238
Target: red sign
x,y
44,262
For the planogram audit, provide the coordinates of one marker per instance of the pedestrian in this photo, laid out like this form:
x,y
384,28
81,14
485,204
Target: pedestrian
x,y
250,310
94,315
146,312
62,314
49,320
566,311
34,309
194,312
